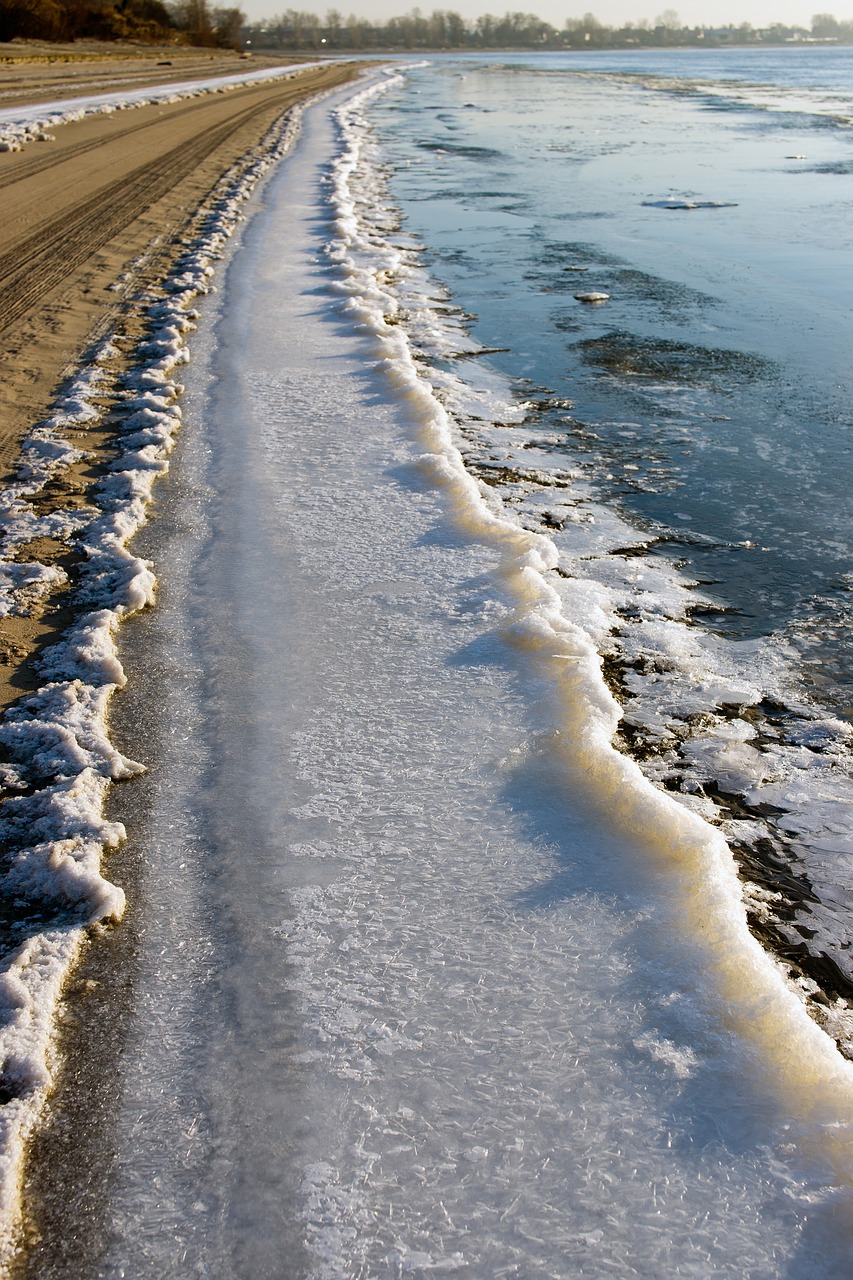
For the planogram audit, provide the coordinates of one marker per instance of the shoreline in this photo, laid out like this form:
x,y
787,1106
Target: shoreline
x,y
296,877
82,992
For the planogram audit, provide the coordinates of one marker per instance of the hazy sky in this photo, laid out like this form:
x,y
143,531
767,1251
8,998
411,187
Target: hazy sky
x,y
613,13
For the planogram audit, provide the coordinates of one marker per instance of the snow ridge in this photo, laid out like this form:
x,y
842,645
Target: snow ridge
x,y
22,125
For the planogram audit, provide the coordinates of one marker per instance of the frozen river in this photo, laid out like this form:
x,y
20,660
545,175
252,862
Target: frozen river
x,y
408,999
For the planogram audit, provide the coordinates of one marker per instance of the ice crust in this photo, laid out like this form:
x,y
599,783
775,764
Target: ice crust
x,y
59,756
482,1025
560,629
818,101
22,125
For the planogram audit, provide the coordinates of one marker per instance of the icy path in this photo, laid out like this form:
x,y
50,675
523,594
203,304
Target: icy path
x,y
406,1004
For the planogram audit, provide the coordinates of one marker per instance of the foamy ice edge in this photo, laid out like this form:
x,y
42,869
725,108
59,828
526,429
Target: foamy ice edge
x,y
794,1056
695,704
22,125
57,738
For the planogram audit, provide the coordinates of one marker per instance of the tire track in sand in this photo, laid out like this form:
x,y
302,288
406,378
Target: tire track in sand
x,y
42,261
77,217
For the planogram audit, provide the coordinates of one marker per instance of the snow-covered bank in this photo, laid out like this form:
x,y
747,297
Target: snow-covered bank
x,y
448,1015
58,757
21,125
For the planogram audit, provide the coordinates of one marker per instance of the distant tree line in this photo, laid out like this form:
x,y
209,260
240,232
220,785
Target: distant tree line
x,y
184,21
443,29
195,22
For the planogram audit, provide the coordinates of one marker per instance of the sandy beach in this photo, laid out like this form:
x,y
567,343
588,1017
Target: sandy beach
x,y
38,71
92,218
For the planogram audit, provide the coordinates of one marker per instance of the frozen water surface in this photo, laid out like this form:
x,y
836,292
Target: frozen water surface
x,y
409,1002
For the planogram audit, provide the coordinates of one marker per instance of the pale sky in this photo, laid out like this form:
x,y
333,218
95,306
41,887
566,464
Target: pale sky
x,y
613,13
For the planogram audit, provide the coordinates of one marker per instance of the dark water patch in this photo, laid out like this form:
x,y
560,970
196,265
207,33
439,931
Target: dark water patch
x,y
678,303
822,634
822,122
450,194
686,204
571,322
561,268
573,253
587,215
636,552
721,107
508,202
561,281
467,151
10,1089
843,168
642,286
456,255
715,617
622,354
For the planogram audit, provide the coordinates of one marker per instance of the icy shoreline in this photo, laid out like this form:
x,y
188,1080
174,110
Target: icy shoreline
x,y
395,955
66,720
725,725
377,268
